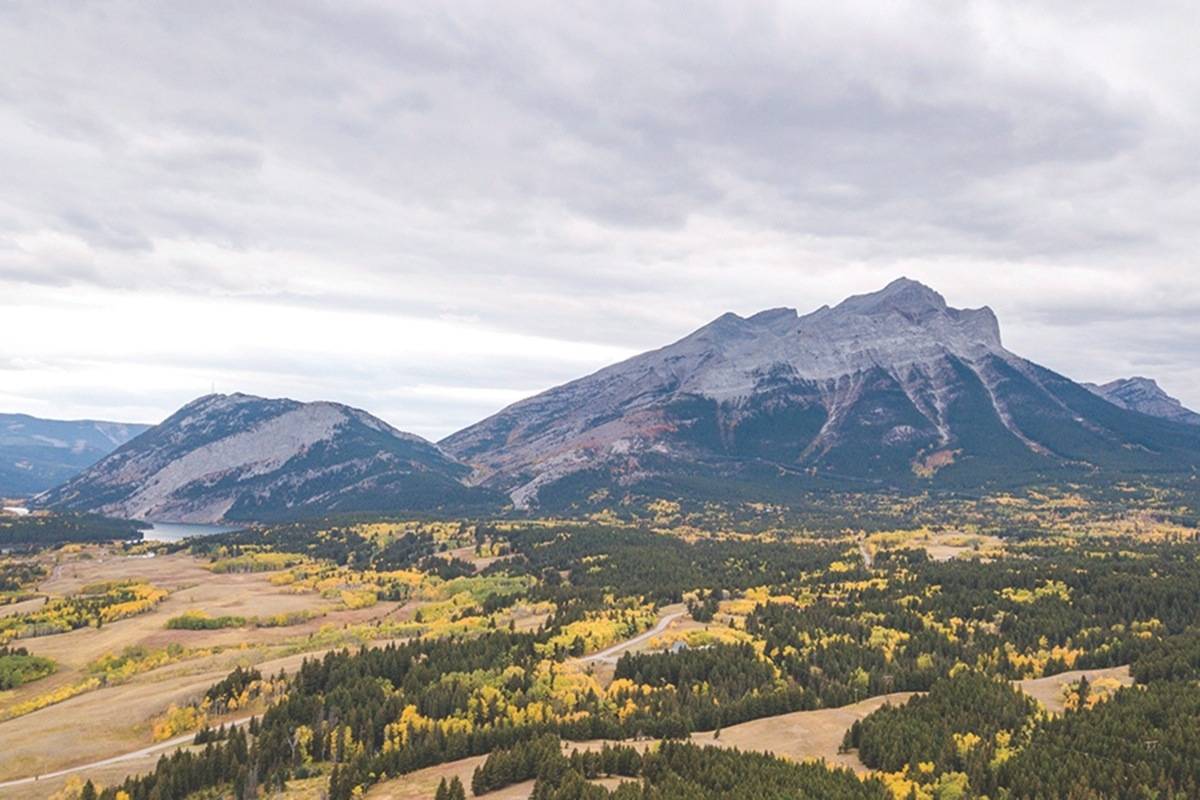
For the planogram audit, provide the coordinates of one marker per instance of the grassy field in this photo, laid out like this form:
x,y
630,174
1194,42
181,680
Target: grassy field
x,y
116,719
1049,690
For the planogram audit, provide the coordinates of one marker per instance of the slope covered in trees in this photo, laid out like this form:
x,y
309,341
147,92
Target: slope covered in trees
x,y
790,622
1144,742
964,724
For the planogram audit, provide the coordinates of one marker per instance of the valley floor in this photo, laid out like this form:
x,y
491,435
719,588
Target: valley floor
x,y
105,733
113,728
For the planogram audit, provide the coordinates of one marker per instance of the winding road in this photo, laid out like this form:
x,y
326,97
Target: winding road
x,y
610,654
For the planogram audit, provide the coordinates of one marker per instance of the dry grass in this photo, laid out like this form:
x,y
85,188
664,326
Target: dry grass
x,y
945,546
467,554
803,735
116,719
800,736
23,606
422,784
102,776
1049,691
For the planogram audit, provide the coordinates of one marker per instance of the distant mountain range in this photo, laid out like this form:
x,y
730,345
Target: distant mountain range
x,y
36,454
239,457
890,390
1146,396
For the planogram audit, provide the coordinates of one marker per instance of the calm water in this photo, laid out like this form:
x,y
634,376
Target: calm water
x,y
176,531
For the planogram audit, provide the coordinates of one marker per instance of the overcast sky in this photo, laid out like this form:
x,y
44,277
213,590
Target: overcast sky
x,y
432,210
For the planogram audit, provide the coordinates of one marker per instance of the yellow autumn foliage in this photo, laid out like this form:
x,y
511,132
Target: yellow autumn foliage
x,y
358,599
176,721
50,698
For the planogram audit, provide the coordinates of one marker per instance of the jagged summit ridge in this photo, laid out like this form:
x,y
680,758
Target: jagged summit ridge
x,y
902,325
881,386
1145,396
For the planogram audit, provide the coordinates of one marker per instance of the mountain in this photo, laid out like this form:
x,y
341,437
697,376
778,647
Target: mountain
x,y
1144,395
893,389
36,454
239,457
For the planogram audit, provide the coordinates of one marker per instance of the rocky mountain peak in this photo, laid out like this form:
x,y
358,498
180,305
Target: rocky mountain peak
x,y
746,370
1138,383
903,295
1145,396
244,457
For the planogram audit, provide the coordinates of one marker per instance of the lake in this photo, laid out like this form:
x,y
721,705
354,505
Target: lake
x,y
177,531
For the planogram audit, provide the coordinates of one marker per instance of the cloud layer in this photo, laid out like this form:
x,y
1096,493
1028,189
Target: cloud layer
x,y
431,209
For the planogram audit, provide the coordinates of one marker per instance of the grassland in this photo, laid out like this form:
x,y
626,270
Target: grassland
x,y
817,632
112,719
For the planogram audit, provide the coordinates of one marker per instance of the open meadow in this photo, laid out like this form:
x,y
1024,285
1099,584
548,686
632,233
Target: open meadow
x,y
158,667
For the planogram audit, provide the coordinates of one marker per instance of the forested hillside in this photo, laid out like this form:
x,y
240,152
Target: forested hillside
x,y
778,622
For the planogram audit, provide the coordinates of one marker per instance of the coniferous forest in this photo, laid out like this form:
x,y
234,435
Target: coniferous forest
x,y
771,624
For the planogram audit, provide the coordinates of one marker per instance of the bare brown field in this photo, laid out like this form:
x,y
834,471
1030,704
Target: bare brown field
x,y
422,784
803,735
938,545
101,776
22,607
1048,690
467,554
945,546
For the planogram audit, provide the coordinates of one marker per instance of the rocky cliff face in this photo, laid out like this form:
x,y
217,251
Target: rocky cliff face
x,y
1145,396
36,454
239,457
886,388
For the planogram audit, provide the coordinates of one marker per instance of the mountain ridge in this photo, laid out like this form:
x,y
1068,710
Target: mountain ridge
x,y
241,457
891,387
37,453
1144,395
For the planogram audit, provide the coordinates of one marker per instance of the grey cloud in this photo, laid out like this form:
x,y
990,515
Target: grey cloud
x,y
616,173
